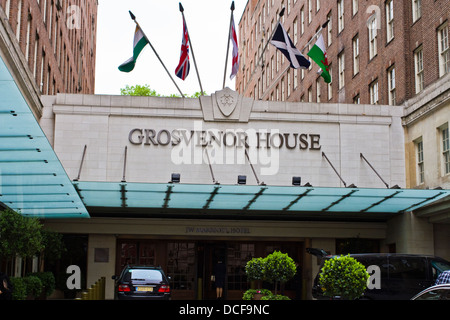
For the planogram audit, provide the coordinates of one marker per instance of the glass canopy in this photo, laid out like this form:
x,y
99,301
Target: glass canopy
x,y
32,179
245,198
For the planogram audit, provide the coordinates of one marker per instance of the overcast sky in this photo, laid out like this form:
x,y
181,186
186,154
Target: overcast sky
x,y
208,22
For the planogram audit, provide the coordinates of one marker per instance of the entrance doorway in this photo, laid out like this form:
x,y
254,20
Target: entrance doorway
x,y
210,254
190,264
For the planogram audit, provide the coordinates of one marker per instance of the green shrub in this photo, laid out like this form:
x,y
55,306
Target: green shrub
x,y
33,285
255,269
275,297
249,294
19,288
343,276
48,282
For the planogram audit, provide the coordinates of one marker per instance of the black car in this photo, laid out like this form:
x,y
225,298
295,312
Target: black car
x,y
402,276
142,283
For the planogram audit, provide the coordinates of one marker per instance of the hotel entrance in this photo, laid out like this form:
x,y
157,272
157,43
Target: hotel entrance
x,y
191,264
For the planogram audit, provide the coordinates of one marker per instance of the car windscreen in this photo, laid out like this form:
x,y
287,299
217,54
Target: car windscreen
x,y
144,275
440,265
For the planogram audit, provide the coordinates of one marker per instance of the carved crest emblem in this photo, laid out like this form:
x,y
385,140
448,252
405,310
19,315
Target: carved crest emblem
x,y
227,101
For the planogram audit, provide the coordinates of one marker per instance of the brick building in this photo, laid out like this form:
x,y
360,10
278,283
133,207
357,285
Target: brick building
x,y
57,39
380,52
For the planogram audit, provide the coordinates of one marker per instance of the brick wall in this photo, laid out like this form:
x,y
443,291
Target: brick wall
x,y
397,52
60,50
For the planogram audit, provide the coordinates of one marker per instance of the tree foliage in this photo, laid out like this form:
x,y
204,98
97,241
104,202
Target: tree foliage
x,y
146,91
19,235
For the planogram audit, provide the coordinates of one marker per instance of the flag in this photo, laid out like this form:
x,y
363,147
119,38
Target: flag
x,y
283,43
140,41
233,38
183,67
318,54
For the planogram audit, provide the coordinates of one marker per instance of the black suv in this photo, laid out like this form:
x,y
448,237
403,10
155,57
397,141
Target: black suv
x,y
142,283
402,275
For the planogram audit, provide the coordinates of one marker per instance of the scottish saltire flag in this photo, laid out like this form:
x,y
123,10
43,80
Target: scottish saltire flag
x,y
183,67
235,63
140,41
283,43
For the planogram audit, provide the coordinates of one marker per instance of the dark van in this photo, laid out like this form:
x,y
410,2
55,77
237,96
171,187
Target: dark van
x,y
402,276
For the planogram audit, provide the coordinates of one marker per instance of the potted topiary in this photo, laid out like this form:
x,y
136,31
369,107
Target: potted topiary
x,y
279,268
343,277
254,270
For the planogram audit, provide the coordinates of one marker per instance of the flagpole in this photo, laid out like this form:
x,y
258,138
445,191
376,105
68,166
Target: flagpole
x,y
280,15
316,35
133,17
228,45
192,49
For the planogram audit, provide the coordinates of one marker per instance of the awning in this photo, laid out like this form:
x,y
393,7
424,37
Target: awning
x,y
245,200
32,179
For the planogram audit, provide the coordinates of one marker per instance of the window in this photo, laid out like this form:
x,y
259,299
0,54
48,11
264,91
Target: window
x,y
373,37
417,9
318,91
330,29
340,15
356,55
295,27
237,256
329,85
272,64
289,83
390,20
302,20
391,86
295,78
420,164
444,51
357,99
446,149
310,10
418,67
310,94
373,90
8,8
317,5
354,7
181,265
19,19
341,61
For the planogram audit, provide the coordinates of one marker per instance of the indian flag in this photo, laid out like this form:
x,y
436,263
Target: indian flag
x,y
318,54
140,41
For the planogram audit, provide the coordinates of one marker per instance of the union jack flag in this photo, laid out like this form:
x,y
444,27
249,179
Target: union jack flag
x,y
182,70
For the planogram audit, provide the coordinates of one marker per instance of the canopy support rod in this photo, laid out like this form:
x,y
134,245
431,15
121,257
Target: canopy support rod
x,y
324,155
210,168
253,169
260,192
81,164
421,202
123,193
299,197
381,201
364,158
125,164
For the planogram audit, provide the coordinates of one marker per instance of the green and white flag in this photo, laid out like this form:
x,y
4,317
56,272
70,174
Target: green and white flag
x,y
318,54
140,41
